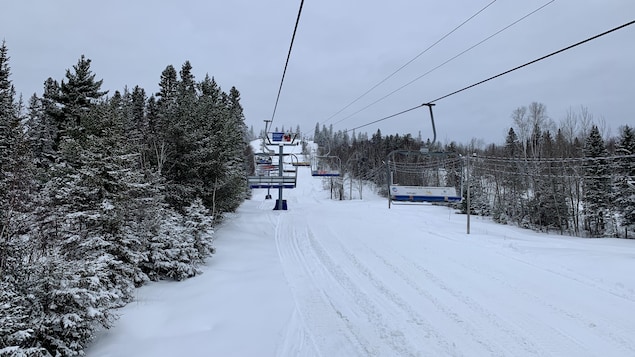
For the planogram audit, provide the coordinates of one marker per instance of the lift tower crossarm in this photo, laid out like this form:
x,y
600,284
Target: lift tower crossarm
x,y
434,129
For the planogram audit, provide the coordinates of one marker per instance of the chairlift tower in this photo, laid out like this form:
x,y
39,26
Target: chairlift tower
x,y
264,167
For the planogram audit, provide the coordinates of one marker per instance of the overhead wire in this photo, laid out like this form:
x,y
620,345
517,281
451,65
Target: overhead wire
x,y
295,29
385,118
447,61
534,61
564,160
410,61
575,168
498,75
566,167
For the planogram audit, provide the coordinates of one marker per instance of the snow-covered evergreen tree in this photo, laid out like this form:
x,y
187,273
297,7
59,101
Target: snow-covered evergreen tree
x,y
548,204
597,184
232,188
479,204
72,99
68,302
136,120
172,253
509,207
625,179
198,223
17,333
89,221
41,132
10,134
208,156
16,181
161,112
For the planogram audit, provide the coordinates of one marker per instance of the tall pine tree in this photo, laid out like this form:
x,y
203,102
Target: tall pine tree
x,y
16,175
625,179
597,184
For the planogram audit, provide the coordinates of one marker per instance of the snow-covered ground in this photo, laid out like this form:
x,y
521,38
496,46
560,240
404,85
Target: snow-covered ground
x,y
354,278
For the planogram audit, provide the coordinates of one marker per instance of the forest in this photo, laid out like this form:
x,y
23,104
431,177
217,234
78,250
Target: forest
x,y
103,192
569,178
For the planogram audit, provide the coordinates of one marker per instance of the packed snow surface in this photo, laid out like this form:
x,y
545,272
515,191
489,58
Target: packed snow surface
x,y
355,278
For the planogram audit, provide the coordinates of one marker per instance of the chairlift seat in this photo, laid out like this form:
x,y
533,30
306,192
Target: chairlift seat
x,y
271,181
325,173
423,194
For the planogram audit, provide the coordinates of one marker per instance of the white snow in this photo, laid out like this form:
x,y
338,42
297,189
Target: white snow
x,y
354,278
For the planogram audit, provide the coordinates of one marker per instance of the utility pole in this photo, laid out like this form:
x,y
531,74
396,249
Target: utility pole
x,y
468,192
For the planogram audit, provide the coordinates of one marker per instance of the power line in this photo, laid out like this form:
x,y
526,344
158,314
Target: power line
x,y
558,160
501,74
575,168
297,21
410,61
447,61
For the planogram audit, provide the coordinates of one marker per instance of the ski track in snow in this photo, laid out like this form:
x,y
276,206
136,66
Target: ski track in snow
x,y
344,294
346,317
473,329
307,280
556,337
446,308
374,305
564,271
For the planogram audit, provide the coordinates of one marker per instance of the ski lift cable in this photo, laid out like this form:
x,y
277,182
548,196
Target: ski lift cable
x,y
385,118
536,60
446,61
295,29
410,61
498,75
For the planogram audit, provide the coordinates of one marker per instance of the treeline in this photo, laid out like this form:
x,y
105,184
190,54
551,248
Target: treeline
x,y
101,193
568,178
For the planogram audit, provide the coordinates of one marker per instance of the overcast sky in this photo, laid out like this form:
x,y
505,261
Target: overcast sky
x,y
341,50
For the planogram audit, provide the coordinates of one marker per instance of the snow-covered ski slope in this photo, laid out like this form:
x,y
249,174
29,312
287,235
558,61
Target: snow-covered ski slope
x,y
354,278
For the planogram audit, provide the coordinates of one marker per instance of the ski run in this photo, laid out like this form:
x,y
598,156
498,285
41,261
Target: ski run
x,y
355,278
